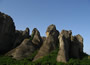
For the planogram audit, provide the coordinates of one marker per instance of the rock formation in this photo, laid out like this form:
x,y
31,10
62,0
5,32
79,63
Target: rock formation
x,y
19,44
49,44
51,30
25,49
36,38
64,41
20,36
70,46
76,47
7,33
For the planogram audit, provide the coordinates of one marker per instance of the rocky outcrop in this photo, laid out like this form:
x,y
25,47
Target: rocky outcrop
x,y
76,47
20,36
51,30
7,33
64,41
25,49
36,38
20,44
49,44
70,46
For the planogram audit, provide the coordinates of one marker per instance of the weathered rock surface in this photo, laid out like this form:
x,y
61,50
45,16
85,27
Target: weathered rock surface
x,y
51,30
43,39
20,36
36,38
49,44
20,44
70,46
64,41
7,32
76,47
25,49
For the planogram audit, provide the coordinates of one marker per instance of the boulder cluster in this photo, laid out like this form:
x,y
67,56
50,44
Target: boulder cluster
x,y
20,44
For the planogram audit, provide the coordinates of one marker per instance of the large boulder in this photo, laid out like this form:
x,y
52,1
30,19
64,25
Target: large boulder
x,y
36,38
76,47
20,36
7,33
64,43
49,43
25,49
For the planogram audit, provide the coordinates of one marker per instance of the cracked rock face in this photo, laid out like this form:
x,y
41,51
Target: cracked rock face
x,y
69,46
25,49
49,43
36,38
7,32
20,36
64,43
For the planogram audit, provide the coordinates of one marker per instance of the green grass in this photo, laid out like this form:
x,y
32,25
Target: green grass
x,y
50,59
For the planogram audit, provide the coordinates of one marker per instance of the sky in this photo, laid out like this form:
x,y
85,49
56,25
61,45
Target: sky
x,y
65,14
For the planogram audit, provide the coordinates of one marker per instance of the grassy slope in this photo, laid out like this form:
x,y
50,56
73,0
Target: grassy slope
x,y
47,60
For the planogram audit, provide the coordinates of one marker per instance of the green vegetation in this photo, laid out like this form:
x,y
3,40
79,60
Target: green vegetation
x,y
47,60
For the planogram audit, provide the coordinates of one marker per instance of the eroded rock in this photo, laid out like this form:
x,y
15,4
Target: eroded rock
x,y
7,33
49,44
20,36
76,48
36,38
64,41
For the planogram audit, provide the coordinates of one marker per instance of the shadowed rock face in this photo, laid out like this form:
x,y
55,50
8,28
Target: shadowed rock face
x,y
20,36
25,49
49,44
36,38
7,32
64,41
51,30
76,47
70,46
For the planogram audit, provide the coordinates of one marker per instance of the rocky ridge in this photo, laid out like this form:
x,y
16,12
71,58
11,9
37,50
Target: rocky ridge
x,y
20,44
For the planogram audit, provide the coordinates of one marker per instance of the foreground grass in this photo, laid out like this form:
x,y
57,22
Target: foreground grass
x,y
47,60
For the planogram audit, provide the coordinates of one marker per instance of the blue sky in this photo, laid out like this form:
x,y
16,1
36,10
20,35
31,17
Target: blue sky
x,y
65,14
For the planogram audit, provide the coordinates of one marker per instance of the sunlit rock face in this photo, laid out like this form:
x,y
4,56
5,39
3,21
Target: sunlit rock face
x,y
49,43
36,38
7,32
69,46
49,29
64,45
